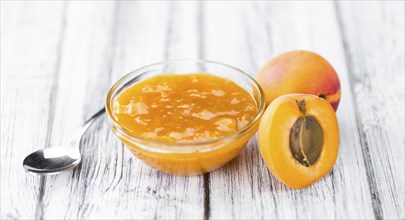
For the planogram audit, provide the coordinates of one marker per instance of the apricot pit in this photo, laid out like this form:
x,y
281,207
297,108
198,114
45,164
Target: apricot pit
x,y
306,138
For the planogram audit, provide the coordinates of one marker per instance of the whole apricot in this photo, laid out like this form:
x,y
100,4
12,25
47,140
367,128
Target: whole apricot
x,y
300,72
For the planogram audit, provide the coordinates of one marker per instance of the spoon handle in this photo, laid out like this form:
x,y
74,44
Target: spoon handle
x,y
75,140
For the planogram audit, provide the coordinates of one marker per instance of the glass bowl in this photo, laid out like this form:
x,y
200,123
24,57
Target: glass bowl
x,y
189,158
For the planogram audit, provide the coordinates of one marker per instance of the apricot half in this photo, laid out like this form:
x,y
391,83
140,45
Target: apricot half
x,y
300,72
299,139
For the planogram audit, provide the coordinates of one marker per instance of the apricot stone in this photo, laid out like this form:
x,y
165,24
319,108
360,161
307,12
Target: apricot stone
x,y
300,72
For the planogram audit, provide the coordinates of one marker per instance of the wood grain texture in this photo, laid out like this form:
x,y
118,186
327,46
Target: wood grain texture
x,y
30,44
373,38
58,60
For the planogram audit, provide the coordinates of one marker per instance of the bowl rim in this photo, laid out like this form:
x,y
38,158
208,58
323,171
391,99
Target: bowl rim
x,y
140,71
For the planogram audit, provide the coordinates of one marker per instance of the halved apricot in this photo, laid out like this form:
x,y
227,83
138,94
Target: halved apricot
x,y
299,139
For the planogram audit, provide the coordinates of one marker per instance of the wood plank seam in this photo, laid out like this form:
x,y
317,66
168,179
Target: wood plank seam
x,y
169,29
85,207
256,69
374,194
39,210
201,55
113,43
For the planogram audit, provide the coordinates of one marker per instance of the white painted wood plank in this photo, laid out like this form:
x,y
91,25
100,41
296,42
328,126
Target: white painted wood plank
x,y
247,36
30,37
85,61
374,40
104,41
183,31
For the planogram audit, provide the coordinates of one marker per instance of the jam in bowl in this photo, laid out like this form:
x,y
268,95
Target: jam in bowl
x,y
185,117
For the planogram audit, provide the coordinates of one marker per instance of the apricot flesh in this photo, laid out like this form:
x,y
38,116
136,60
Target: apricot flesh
x,y
299,139
300,72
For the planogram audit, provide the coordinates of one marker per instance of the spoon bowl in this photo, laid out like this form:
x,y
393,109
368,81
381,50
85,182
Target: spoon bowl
x,y
52,160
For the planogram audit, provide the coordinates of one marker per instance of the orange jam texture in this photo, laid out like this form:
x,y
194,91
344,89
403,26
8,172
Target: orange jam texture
x,y
184,108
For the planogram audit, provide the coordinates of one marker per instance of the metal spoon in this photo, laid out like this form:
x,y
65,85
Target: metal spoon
x,y
53,160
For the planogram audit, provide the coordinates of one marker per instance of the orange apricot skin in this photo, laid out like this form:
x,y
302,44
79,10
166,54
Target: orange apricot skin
x,y
274,136
300,72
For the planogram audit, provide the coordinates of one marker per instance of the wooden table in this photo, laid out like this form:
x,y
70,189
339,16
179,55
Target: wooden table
x,y
58,60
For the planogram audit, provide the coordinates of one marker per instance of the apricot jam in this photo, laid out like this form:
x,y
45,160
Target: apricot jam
x,y
185,124
184,108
